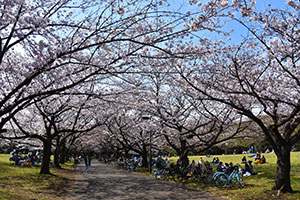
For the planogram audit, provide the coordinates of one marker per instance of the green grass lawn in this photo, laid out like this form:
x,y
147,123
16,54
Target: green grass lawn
x,y
24,183
258,187
27,184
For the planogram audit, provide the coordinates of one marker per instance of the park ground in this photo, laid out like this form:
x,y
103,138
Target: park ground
x,y
27,184
102,181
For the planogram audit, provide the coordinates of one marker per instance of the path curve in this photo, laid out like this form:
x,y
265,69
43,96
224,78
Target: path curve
x,y
105,182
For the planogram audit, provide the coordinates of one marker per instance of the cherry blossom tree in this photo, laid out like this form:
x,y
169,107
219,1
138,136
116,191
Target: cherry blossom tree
x,y
52,119
257,76
82,118
187,124
135,134
68,43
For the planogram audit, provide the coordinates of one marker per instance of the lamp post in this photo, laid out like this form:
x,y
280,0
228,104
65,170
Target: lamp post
x,y
146,118
150,151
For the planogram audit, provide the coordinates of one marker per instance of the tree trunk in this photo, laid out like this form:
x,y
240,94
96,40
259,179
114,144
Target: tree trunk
x,y
45,169
126,153
184,160
183,153
282,180
62,154
145,160
57,156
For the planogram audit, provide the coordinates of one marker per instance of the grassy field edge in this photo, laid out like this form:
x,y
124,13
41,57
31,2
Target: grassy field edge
x,y
25,183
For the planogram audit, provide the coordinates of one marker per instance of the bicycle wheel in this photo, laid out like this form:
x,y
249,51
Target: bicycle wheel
x,y
241,181
157,173
163,174
220,181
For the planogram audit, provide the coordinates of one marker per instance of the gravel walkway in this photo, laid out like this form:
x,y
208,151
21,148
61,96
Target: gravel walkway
x,y
105,182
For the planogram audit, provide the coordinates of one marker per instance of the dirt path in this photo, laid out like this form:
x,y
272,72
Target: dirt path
x,y
105,182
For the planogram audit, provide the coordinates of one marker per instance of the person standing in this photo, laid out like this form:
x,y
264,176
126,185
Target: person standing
x,y
87,161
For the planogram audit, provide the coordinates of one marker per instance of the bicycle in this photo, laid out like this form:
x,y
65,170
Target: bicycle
x,y
179,174
161,173
230,176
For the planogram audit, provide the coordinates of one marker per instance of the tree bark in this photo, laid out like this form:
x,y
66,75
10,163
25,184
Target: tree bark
x,y
45,169
57,156
183,153
145,159
62,154
126,152
184,160
282,180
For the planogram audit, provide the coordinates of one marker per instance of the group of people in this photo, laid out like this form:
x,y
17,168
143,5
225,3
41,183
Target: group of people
x,y
201,168
28,160
160,163
248,170
223,167
259,159
87,160
124,163
215,160
132,163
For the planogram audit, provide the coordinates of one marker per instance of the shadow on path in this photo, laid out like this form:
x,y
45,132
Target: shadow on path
x,y
105,182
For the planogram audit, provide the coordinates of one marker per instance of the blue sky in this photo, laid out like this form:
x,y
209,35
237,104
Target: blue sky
x,y
261,5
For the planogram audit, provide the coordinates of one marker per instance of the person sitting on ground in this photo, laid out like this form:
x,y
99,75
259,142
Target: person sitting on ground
x,y
249,168
226,165
246,170
193,167
14,158
33,160
263,159
38,158
229,168
213,161
244,160
19,160
200,163
220,167
257,156
26,157
207,168
217,160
